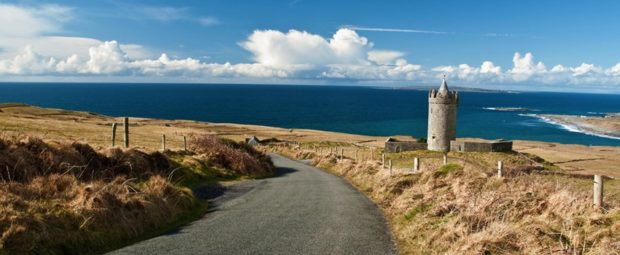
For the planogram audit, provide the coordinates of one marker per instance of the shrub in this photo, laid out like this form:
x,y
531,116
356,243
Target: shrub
x,y
239,157
68,198
25,159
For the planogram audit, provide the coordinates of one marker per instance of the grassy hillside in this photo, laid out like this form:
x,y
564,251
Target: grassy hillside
x,y
464,208
68,198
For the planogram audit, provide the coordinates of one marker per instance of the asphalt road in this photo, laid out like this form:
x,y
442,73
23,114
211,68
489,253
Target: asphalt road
x,y
302,210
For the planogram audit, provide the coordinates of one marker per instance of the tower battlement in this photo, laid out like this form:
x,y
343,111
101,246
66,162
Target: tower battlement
x,y
443,95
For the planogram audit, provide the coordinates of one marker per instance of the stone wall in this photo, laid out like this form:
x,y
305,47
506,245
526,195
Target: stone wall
x,y
400,146
484,146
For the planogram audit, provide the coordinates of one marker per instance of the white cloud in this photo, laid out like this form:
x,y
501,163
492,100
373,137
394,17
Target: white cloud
x,y
395,30
302,50
208,21
163,14
524,67
106,58
38,26
384,57
27,62
586,69
488,67
24,22
32,46
614,70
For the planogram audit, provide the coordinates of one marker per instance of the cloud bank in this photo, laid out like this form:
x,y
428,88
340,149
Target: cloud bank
x,y
28,50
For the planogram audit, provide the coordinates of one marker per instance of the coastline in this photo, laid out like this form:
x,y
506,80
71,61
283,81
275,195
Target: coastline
x,y
606,127
94,129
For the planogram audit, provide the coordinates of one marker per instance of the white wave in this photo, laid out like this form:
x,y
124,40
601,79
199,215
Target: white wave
x,y
568,127
509,109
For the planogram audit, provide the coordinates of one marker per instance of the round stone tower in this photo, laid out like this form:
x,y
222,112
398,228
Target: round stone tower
x,y
442,106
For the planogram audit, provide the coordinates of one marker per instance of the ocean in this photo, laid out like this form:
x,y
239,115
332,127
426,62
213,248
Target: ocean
x,y
358,110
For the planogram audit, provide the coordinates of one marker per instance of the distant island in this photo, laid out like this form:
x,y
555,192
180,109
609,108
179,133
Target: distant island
x,y
460,89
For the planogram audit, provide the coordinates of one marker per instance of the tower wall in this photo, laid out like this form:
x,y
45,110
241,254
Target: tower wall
x,y
441,120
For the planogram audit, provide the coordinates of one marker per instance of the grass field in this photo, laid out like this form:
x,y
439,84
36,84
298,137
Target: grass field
x,y
462,209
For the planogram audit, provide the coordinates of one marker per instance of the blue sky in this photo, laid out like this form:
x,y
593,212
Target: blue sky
x,y
530,45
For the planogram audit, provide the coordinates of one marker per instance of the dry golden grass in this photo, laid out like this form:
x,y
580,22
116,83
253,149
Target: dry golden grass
x,y
145,134
462,212
463,208
67,198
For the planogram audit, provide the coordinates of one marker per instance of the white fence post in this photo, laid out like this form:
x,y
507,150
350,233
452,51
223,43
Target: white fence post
x,y
598,191
416,164
500,168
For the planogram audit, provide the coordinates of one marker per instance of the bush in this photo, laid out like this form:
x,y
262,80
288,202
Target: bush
x,y
68,198
28,158
238,157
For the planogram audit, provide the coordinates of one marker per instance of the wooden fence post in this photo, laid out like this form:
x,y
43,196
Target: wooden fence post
x,y
184,143
383,160
500,168
163,142
341,153
416,164
372,154
113,134
390,166
445,158
598,191
126,131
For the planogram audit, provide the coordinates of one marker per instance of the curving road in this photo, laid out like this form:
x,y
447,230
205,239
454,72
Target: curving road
x,y
302,210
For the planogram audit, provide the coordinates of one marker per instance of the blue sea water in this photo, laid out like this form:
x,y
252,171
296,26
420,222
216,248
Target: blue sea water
x,y
359,110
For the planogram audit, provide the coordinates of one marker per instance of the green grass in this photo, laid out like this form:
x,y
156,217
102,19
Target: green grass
x,y
411,214
447,169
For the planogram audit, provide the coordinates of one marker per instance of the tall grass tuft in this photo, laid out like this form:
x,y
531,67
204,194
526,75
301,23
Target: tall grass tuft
x,y
239,157
60,198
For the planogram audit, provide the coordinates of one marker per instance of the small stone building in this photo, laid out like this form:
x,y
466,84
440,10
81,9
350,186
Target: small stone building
x,y
480,145
393,145
252,141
